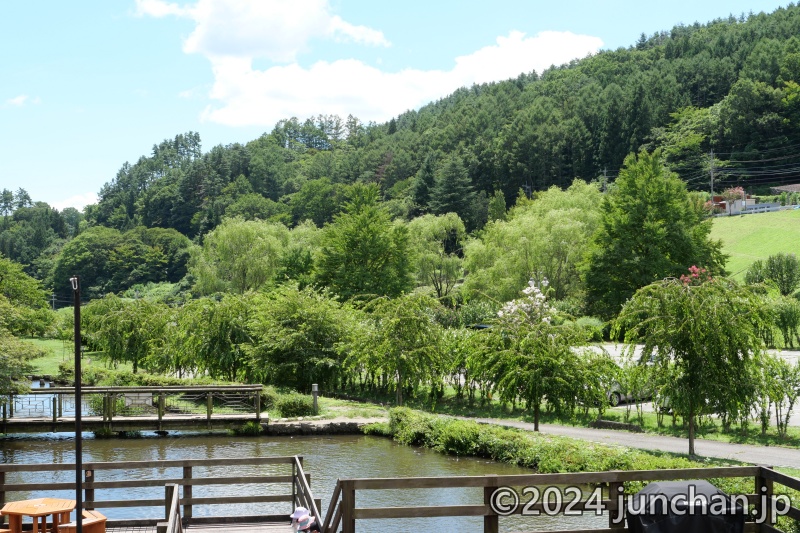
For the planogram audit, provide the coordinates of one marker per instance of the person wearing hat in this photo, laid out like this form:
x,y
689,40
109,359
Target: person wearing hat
x,y
303,521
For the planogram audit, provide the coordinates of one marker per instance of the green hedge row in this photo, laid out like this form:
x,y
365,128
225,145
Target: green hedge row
x,y
543,453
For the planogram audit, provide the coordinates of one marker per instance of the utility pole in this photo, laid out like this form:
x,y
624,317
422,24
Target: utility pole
x,y
76,295
711,155
605,178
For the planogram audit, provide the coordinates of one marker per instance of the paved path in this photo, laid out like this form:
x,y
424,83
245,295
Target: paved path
x,y
762,455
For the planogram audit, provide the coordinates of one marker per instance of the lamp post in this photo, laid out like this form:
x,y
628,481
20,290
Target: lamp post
x,y
76,295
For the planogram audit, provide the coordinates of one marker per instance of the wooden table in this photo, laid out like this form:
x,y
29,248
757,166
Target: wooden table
x,y
38,509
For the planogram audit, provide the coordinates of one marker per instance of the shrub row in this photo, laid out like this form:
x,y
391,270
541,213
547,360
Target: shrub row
x,y
543,453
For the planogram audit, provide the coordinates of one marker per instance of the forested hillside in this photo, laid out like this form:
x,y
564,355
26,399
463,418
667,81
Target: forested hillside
x,y
730,86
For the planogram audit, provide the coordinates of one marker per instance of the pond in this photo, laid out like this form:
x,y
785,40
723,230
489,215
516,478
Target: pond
x,y
326,458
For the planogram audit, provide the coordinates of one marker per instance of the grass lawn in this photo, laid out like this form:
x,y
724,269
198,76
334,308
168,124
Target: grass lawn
x,y
59,351
746,238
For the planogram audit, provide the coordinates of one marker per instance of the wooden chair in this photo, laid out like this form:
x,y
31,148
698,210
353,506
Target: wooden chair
x,y
93,522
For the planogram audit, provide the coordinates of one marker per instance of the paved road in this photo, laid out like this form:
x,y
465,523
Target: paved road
x,y
763,455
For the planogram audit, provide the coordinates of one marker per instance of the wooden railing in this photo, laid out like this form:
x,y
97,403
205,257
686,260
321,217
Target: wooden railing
x,y
172,499
101,407
343,511
136,475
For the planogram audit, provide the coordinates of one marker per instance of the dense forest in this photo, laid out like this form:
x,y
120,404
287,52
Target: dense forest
x,y
728,88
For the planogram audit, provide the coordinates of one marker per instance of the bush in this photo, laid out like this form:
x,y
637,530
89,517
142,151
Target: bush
x,y
269,397
592,326
249,429
291,405
544,453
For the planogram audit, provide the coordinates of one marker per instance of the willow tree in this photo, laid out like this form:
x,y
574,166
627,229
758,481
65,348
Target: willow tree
x,y
705,331
402,342
239,256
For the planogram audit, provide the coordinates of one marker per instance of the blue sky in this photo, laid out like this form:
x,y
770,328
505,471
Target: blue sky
x,y
88,85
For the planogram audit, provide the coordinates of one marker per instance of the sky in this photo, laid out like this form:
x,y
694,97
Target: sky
x,y
86,86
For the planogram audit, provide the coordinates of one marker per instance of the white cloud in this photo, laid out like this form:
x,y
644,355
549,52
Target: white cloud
x,y
232,33
277,30
79,201
250,97
21,100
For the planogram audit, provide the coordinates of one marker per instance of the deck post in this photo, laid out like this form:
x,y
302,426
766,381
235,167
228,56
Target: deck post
x,y
60,405
348,506
161,408
209,407
764,505
88,494
615,516
55,410
187,491
258,406
294,484
491,522
2,494
169,494
11,406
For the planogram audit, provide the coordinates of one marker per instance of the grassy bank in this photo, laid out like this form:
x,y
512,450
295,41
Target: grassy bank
x,y
747,238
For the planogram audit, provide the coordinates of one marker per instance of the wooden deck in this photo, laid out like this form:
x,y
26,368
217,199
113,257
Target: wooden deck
x,y
214,528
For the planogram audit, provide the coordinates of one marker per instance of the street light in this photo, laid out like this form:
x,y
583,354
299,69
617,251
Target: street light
x,y
76,295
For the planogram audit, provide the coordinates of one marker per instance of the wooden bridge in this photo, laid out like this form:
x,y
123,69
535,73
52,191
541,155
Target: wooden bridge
x,y
257,481
133,409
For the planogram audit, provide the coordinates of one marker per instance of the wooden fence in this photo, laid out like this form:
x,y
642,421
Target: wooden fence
x,y
343,511
297,482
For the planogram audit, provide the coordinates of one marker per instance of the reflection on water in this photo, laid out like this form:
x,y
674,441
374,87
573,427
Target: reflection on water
x,y
326,458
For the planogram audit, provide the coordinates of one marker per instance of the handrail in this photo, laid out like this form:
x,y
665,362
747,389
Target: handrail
x,y
343,510
334,515
173,508
130,408
305,495
147,484
165,388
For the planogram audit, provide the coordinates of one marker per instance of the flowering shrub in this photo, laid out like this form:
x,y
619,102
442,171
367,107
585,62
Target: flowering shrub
x,y
533,308
696,276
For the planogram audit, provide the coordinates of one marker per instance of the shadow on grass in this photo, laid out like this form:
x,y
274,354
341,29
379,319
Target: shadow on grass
x,y
708,428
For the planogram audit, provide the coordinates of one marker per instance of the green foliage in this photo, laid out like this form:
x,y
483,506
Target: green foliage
x,y
703,337
132,331
294,337
294,405
543,453
363,254
437,243
250,429
544,238
401,340
784,270
239,256
212,336
15,357
108,260
781,390
649,231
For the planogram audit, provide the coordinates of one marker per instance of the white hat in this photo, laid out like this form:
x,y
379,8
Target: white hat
x,y
299,512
